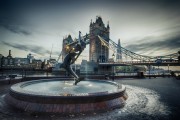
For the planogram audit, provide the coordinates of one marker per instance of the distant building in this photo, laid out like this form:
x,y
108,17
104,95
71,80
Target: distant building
x,y
88,67
30,58
21,62
36,64
98,52
51,63
119,53
76,66
8,61
1,56
66,41
24,62
57,67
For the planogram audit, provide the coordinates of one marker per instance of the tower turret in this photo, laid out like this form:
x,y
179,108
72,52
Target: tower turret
x,y
108,25
91,23
9,55
98,52
119,52
67,40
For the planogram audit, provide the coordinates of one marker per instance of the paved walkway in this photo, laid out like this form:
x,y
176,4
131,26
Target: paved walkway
x,y
149,99
167,88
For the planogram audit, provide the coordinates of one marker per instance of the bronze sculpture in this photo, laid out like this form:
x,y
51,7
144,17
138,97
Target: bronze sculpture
x,y
75,49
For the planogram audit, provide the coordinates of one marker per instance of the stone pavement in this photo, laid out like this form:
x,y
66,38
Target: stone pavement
x,y
149,99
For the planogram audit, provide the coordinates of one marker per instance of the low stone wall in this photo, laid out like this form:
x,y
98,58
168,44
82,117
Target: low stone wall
x,y
65,103
67,108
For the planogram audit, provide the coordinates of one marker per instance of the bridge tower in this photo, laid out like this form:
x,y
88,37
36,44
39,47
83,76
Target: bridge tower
x,y
119,52
66,40
98,52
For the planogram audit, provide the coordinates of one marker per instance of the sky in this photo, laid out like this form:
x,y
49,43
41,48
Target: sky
x,y
147,27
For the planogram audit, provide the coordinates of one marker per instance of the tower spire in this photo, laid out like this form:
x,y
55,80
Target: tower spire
x,y
108,25
119,53
91,23
9,55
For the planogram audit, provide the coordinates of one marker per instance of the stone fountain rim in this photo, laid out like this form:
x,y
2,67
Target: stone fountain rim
x,y
65,98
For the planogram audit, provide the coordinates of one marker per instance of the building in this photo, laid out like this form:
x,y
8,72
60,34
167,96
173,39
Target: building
x,y
51,62
88,67
30,58
119,52
66,41
21,62
76,68
8,61
1,56
24,62
37,64
98,52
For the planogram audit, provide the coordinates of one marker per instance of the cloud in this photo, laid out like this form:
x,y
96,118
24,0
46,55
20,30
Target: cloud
x,y
16,29
130,19
30,48
170,44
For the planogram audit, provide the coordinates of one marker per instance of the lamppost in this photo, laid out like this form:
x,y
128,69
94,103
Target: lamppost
x,y
113,66
149,70
168,68
179,56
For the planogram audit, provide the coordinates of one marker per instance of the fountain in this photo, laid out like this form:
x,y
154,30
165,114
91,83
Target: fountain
x,y
67,96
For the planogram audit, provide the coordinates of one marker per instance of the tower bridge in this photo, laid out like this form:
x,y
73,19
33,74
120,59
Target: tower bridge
x,y
136,59
100,45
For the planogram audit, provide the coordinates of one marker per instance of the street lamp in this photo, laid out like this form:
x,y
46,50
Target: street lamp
x,y
149,70
113,66
179,56
67,47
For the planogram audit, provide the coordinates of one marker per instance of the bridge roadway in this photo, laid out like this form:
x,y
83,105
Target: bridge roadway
x,y
147,63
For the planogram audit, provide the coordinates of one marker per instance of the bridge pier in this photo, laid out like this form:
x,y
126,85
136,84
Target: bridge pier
x,y
105,69
149,71
168,68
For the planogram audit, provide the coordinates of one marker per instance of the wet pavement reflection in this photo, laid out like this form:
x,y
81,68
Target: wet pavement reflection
x,y
142,104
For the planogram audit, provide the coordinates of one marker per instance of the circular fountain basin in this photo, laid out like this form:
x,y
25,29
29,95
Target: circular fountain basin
x,y
62,96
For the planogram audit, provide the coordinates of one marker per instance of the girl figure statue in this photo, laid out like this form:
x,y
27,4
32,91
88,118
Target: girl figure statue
x,y
71,57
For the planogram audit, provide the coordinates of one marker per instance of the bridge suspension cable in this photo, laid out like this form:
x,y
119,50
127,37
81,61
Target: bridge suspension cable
x,y
112,45
59,57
